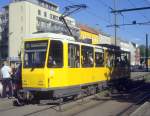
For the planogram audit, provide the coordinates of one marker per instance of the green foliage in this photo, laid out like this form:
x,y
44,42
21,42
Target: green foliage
x,y
142,50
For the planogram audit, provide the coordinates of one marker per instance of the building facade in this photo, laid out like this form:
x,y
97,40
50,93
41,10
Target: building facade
x,y
108,39
135,53
105,39
124,45
87,32
31,16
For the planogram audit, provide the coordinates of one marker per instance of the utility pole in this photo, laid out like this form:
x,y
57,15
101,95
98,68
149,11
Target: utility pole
x,y
115,22
146,53
114,11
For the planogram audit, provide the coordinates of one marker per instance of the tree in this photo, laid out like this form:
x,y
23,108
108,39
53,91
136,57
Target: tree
x,y
142,50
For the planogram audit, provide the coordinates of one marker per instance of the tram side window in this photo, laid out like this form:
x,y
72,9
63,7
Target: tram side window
x,y
87,56
99,59
55,59
73,56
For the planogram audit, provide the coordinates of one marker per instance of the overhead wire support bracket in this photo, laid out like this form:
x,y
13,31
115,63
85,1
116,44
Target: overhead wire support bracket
x,y
131,9
130,24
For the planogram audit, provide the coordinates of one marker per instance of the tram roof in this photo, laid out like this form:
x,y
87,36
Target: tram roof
x,y
110,46
60,37
50,36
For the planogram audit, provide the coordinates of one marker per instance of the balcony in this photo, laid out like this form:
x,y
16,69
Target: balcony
x,y
57,28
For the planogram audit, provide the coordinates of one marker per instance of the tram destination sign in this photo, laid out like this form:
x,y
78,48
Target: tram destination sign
x,y
36,45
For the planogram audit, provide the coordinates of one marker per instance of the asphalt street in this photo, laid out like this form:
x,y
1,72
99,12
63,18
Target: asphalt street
x,y
92,106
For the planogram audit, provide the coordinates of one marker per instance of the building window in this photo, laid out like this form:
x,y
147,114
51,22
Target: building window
x,y
43,4
21,18
45,14
53,8
39,22
49,6
87,56
55,17
73,56
51,16
21,29
21,8
39,12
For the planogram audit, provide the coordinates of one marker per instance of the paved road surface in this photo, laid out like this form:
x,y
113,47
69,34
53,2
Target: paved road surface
x,y
143,110
90,107
87,108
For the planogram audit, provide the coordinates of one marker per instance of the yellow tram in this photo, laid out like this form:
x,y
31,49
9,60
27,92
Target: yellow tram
x,y
56,66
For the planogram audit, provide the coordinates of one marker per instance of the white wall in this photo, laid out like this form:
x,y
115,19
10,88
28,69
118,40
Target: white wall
x,y
124,46
23,21
105,39
133,49
16,27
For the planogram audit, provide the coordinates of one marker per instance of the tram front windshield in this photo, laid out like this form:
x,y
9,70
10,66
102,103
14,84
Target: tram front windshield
x,y
35,54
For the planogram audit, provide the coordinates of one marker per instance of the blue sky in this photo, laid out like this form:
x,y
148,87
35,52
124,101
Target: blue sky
x,y
98,15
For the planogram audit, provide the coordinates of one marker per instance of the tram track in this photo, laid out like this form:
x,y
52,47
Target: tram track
x,y
84,106
131,108
71,106
140,97
41,110
54,107
135,95
127,110
9,107
88,102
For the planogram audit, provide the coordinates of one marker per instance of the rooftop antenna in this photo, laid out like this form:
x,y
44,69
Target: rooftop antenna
x,y
68,11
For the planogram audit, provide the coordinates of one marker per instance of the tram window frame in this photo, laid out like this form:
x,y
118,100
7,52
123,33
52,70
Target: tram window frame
x,y
86,53
111,58
73,55
57,57
35,54
100,62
